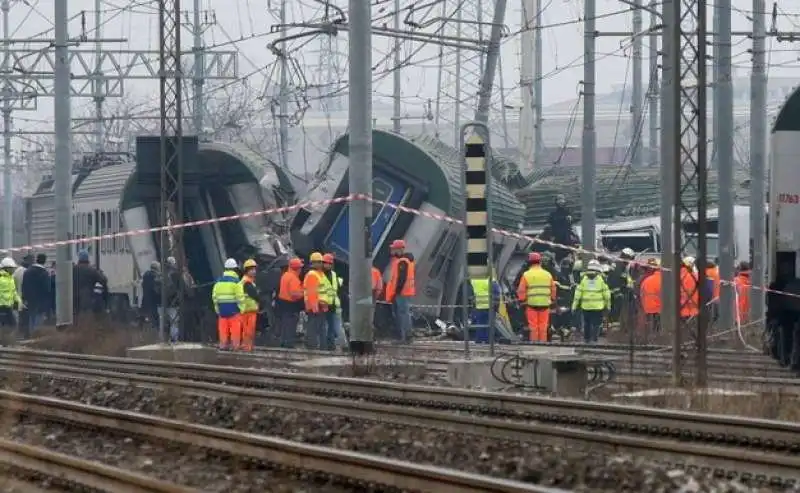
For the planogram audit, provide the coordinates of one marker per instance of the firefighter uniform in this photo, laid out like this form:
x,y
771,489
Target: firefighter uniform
x,y
317,301
228,298
537,290
593,298
289,303
250,304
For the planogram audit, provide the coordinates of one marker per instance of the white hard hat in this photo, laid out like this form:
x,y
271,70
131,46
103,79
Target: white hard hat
x,y
231,264
628,252
688,261
8,263
605,268
593,265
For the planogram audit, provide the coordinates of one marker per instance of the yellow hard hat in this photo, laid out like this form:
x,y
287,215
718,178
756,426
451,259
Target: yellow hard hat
x,y
249,263
315,257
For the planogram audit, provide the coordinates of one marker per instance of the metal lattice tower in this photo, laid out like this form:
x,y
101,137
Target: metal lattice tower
x,y
461,69
331,72
171,95
686,20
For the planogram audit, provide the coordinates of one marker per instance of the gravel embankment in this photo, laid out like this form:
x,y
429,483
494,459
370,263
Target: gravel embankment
x,y
187,466
555,464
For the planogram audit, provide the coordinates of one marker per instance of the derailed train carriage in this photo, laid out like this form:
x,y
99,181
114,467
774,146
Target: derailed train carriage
x,y
419,173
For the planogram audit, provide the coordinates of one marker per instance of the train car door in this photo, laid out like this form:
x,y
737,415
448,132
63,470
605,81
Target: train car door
x,y
384,189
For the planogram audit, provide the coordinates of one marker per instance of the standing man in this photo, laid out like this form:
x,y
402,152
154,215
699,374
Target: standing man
x,y
315,287
35,293
336,333
151,300
593,298
537,291
228,299
250,304
289,303
401,287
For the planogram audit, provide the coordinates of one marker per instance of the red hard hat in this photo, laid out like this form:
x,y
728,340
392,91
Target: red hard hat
x,y
295,263
327,258
534,258
398,244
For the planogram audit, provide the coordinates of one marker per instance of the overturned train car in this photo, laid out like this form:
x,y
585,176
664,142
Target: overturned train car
x,y
421,175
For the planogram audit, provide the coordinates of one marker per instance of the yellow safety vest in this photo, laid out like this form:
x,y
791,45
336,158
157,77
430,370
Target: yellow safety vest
x,y
539,283
480,290
8,290
228,295
249,305
592,295
335,284
325,289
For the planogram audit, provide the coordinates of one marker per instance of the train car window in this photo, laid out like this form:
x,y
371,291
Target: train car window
x,y
114,230
381,191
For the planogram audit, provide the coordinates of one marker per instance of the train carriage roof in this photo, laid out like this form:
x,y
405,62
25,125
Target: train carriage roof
x,y
788,118
438,165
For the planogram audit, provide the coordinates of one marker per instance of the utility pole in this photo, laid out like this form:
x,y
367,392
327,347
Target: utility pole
x,y
63,165
538,74
636,93
653,87
397,92
526,139
99,97
723,116
589,144
758,158
283,97
360,176
688,119
459,61
8,206
490,68
200,23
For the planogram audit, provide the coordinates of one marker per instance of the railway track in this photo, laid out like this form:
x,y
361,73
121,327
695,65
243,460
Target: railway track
x,y
75,473
292,388
342,466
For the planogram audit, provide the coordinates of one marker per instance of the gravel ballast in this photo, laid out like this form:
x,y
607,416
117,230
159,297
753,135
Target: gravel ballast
x,y
555,464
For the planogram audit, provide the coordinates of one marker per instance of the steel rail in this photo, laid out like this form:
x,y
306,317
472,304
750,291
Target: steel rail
x,y
637,420
358,467
678,453
86,473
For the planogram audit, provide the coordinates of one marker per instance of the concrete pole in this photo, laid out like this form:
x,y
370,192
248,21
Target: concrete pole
x,y
99,97
589,144
716,92
538,72
198,75
459,99
360,176
758,158
526,122
8,206
668,316
653,89
723,111
63,166
492,57
637,101
283,98
397,92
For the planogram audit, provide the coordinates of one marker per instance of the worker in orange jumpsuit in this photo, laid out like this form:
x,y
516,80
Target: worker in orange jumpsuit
x,y
537,290
228,298
289,303
401,288
712,275
650,296
250,305
316,292
377,284
743,284
690,291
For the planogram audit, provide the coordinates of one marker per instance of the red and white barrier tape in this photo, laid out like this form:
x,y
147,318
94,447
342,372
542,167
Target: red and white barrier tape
x,y
340,200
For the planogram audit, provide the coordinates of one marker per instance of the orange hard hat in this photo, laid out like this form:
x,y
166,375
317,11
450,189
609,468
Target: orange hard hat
x,y
534,258
398,244
295,263
327,258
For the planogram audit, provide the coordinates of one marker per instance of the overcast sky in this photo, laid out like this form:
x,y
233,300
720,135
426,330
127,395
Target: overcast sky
x,y
244,25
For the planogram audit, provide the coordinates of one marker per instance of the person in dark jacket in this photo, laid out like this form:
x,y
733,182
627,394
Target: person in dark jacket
x,y
86,281
151,298
36,293
268,280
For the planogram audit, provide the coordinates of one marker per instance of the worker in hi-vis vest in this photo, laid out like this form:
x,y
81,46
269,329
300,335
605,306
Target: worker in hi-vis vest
x,y
537,291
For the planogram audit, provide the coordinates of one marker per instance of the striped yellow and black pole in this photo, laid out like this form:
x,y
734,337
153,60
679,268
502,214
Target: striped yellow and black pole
x,y
476,181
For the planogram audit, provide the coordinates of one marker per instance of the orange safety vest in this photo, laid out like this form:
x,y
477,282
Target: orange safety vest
x,y
713,274
651,293
377,281
690,294
290,289
743,284
409,288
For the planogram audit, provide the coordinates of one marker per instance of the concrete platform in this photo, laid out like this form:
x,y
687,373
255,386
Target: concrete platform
x,y
347,366
560,371
708,399
183,352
